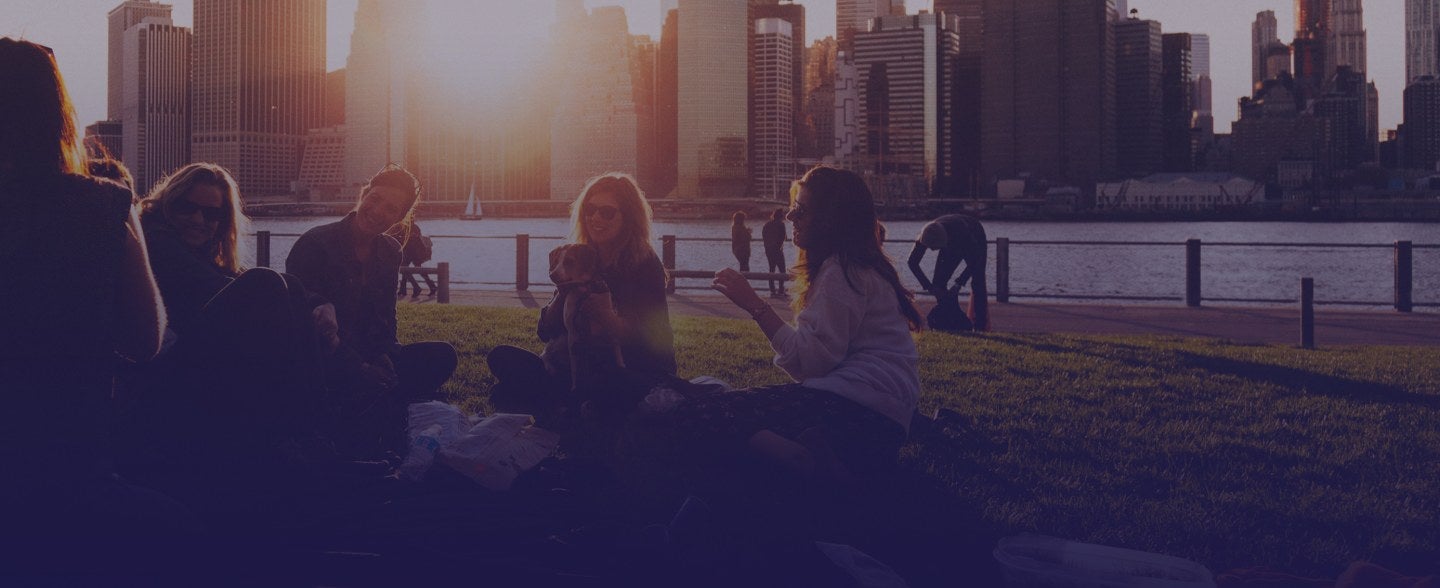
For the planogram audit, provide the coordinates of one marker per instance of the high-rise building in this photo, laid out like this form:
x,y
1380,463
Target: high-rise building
x,y
1313,26
1049,106
1345,109
817,140
1272,128
1264,36
1138,97
593,130
1176,108
667,104
772,135
334,101
969,78
644,53
1346,44
1420,133
322,163
380,72
258,88
795,15
155,100
128,14
855,16
713,103
847,107
103,138
1200,70
1422,39
906,68
1279,61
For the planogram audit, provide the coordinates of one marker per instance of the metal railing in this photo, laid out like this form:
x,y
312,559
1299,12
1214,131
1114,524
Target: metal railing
x,y
1403,268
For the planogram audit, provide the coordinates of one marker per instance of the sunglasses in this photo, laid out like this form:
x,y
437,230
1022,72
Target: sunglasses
x,y
212,214
606,212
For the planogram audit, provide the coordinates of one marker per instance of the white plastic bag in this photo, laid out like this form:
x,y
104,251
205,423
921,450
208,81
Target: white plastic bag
x,y
495,450
453,423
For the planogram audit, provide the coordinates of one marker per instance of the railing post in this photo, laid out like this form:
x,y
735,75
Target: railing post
x,y
1002,269
1307,313
1192,272
522,262
262,248
442,290
1404,276
667,258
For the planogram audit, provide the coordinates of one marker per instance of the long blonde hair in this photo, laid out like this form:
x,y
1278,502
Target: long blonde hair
x,y
634,238
38,133
224,249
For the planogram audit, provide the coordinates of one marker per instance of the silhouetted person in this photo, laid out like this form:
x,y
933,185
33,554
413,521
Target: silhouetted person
x,y
740,240
59,344
959,239
354,265
415,250
773,236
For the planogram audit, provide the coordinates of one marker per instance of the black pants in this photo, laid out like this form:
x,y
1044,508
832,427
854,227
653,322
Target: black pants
x,y
366,421
775,262
407,278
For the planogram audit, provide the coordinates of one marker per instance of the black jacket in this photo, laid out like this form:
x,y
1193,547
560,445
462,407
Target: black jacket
x,y
363,292
187,281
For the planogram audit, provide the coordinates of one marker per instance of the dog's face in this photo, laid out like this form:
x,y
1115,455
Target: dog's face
x,y
575,263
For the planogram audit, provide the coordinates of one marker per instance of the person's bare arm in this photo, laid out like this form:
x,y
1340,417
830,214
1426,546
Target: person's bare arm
x,y
141,314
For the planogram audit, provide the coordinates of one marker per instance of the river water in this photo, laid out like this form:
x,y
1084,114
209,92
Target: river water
x,y
482,256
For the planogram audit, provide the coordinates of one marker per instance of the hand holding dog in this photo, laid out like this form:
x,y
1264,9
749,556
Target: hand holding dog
x,y
735,287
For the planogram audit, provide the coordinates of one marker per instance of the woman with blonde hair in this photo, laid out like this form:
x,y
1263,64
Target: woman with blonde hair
x,y
192,221
611,214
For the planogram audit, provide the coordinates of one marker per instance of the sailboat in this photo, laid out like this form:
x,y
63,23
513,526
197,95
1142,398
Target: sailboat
x,y
472,206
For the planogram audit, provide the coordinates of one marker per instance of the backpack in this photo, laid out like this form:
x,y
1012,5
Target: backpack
x,y
424,249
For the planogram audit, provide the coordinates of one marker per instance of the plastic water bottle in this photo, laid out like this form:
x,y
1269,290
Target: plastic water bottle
x,y
422,454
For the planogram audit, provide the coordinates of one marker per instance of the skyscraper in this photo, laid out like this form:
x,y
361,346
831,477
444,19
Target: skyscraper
x,y
772,134
128,14
906,68
1422,39
713,105
1138,97
818,109
1311,51
1264,35
1049,106
855,16
593,130
155,100
795,15
667,108
1420,134
1176,107
379,72
258,87
1200,84
847,107
969,78
1346,44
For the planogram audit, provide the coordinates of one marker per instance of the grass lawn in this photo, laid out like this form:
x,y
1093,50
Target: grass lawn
x,y
1230,455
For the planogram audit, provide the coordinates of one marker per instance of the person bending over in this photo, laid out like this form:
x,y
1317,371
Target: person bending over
x,y
959,239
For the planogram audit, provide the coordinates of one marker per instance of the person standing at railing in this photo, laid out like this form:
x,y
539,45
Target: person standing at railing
x,y
415,250
773,236
612,214
740,240
353,264
959,239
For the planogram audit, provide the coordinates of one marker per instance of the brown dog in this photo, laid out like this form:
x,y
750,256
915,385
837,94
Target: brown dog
x,y
590,348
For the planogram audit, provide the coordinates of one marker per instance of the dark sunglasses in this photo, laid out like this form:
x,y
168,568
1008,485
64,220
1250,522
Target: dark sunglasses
x,y
607,212
212,214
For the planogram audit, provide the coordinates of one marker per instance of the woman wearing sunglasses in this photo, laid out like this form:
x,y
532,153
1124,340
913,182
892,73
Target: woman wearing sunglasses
x,y
612,215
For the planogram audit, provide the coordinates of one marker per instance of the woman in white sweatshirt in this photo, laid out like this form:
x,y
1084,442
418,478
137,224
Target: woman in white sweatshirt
x,y
850,351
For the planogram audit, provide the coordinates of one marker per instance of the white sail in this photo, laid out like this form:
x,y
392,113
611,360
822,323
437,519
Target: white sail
x,y
472,206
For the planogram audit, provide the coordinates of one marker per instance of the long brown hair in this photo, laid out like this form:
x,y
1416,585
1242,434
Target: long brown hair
x,y
224,249
38,134
634,237
840,209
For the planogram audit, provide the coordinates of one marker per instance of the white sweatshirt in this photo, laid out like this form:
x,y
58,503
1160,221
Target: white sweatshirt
x,y
853,342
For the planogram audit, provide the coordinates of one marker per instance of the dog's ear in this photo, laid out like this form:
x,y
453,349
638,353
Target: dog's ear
x,y
555,256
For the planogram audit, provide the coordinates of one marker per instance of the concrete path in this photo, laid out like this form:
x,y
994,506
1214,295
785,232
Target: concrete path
x,y
1274,324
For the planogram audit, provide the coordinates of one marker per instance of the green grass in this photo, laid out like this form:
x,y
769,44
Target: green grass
x,y
1227,454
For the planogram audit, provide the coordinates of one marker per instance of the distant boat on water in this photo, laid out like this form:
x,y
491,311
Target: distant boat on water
x,y
472,207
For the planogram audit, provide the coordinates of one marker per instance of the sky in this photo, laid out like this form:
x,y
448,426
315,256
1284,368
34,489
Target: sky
x,y
76,30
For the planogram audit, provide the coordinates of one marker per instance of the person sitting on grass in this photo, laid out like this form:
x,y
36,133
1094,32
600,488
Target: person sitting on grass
x,y
850,351
354,265
611,214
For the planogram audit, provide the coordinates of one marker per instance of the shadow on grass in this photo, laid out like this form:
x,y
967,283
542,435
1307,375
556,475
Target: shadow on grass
x,y
1308,382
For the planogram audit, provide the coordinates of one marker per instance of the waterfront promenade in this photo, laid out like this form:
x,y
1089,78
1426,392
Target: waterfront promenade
x,y
1275,324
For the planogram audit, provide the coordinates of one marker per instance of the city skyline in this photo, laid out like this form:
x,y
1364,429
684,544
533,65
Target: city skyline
x,y
84,57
